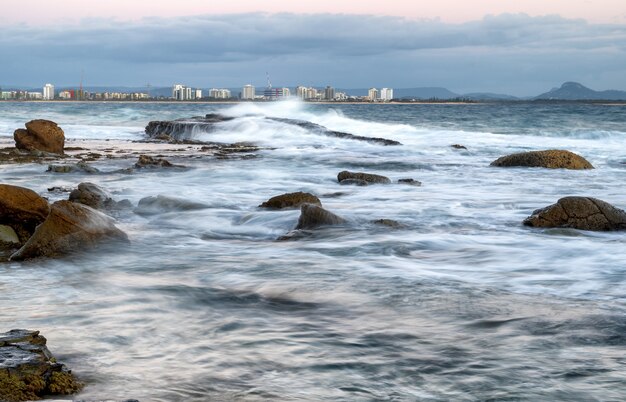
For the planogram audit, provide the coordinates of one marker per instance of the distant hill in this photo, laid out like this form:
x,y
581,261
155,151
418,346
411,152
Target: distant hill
x,y
479,96
576,91
424,93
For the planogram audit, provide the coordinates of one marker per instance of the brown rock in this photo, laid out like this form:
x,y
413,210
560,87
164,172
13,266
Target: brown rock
x,y
93,196
146,161
583,213
291,200
22,209
70,227
312,216
552,159
366,177
40,135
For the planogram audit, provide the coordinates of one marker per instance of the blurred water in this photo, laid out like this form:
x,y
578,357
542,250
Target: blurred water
x,y
463,303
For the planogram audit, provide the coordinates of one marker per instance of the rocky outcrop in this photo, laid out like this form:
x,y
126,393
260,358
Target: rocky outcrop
x,y
584,213
28,371
146,161
40,135
22,209
312,216
70,227
96,197
552,159
359,178
291,200
410,182
80,167
162,204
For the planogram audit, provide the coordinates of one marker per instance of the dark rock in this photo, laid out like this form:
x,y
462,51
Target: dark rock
x,y
458,146
291,200
40,135
146,161
70,227
366,177
552,159
81,166
59,189
312,216
161,204
28,371
388,222
584,213
353,182
96,197
411,182
22,209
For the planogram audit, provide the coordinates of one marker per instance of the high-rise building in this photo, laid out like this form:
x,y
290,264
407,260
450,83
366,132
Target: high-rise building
x,y
248,92
219,93
329,93
48,92
286,92
372,94
386,94
197,94
301,92
311,93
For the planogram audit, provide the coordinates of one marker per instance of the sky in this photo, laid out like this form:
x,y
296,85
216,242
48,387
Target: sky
x,y
519,47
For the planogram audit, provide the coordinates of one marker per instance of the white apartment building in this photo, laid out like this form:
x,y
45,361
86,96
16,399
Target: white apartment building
x,y
219,93
386,94
197,94
181,92
48,92
301,92
372,94
248,92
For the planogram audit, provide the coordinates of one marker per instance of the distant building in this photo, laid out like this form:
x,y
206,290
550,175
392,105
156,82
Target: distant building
x,y
311,93
286,92
219,93
248,92
197,94
372,94
48,92
329,93
34,95
301,92
66,94
182,93
386,94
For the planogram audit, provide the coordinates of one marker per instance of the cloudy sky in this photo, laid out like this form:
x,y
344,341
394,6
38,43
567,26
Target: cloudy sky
x,y
521,47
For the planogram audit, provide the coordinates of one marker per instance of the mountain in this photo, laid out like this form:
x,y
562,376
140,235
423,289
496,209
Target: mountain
x,y
480,96
576,91
424,93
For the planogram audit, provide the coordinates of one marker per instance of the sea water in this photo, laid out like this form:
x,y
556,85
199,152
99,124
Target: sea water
x,y
460,303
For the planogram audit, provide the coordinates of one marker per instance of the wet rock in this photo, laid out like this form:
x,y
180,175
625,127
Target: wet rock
x,y
80,167
70,227
552,159
584,213
312,216
146,161
96,197
161,204
366,177
40,135
353,182
59,189
28,371
410,182
458,146
291,200
388,222
22,209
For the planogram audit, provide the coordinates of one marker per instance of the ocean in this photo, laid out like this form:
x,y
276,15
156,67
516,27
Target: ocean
x,y
462,302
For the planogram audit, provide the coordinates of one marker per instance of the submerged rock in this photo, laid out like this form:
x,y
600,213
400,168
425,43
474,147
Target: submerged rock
x,y
312,216
552,159
22,209
388,222
584,213
73,168
70,227
291,200
458,146
28,371
96,197
146,161
365,177
161,204
410,182
40,135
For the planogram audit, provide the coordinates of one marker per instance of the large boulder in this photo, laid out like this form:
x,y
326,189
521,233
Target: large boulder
x,y
40,135
96,197
583,213
358,177
552,159
22,209
312,216
291,200
70,227
163,204
28,371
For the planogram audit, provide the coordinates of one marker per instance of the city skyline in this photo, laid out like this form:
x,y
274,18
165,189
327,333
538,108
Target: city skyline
x,y
503,47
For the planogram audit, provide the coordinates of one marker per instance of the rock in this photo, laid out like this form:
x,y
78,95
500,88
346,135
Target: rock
x,y
291,200
552,159
353,182
458,146
161,204
22,209
388,222
584,213
312,216
40,135
8,235
70,227
146,161
366,177
28,371
96,197
74,168
410,182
